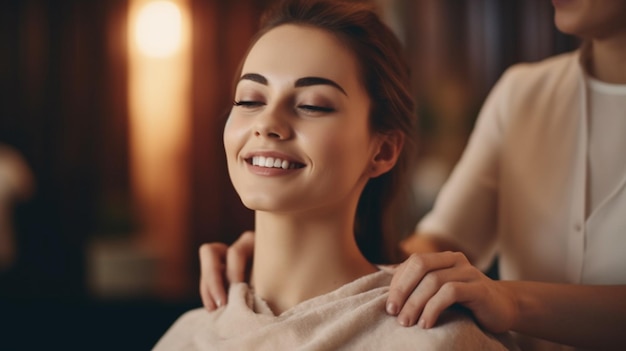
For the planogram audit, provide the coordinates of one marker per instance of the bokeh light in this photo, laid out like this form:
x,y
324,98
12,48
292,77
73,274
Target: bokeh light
x,y
158,29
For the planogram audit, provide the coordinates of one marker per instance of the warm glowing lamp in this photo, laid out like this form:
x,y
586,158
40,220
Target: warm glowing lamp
x,y
158,29
159,117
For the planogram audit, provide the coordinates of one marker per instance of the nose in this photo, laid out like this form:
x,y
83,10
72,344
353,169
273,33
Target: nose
x,y
272,124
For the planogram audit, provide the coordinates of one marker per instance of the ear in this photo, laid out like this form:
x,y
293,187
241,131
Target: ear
x,y
386,155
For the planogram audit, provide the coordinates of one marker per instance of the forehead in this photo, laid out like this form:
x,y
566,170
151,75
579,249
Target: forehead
x,y
300,51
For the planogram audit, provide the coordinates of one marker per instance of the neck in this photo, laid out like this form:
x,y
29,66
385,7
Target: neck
x,y
296,259
608,59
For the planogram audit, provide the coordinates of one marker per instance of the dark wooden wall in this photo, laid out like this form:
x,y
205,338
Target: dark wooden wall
x,y
64,107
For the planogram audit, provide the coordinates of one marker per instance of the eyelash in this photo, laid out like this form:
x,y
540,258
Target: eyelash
x,y
312,108
247,104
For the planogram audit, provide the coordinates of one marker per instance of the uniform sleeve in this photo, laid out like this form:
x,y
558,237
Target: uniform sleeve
x,y
466,209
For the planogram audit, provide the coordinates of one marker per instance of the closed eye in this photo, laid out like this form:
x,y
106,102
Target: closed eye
x,y
248,103
314,108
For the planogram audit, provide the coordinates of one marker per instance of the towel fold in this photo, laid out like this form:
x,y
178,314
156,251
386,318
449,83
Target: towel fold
x,y
352,317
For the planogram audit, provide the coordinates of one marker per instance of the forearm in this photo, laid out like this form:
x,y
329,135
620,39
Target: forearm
x,y
423,243
580,315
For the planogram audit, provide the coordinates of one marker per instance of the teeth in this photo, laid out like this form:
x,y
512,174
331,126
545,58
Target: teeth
x,y
272,162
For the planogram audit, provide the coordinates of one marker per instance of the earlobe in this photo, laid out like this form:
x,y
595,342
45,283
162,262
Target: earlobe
x,y
386,155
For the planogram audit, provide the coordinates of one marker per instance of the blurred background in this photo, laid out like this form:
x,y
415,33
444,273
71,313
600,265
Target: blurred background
x,y
112,170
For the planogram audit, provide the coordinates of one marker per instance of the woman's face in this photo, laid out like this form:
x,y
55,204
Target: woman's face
x,y
298,136
590,19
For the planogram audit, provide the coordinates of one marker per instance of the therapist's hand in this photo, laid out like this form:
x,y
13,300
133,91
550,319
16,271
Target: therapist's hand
x,y
221,265
425,285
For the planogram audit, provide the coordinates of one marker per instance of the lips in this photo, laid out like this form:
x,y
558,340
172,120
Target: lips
x,y
273,162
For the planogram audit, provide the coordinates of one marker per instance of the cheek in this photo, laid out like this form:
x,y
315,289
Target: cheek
x,y
233,141
344,148
234,130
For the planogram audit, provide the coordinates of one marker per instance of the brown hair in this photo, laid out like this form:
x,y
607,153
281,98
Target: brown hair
x,y
385,74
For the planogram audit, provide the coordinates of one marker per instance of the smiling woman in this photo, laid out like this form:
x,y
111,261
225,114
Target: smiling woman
x,y
300,111
320,127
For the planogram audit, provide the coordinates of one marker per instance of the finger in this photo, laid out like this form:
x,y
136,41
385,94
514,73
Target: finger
x,y
449,294
463,284
409,274
428,287
207,301
440,269
238,257
212,284
489,310
406,277
389,268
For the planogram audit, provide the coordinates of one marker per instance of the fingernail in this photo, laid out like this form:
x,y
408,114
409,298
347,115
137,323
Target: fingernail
x,y
392,308
422,323
218,302
404,322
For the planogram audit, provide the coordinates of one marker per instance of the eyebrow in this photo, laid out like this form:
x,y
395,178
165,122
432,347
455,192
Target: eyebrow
x,y
302,82
309,81
255,77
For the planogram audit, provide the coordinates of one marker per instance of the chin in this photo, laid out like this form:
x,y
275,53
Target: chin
x,y
566,22
260,203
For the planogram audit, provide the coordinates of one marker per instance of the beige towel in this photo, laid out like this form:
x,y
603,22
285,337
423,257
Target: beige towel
x,y
349,318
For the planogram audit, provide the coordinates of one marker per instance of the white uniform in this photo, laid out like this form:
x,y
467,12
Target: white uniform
x,y
542,182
